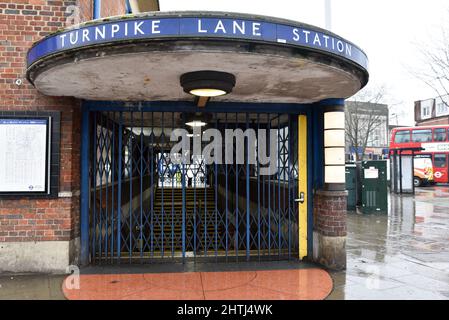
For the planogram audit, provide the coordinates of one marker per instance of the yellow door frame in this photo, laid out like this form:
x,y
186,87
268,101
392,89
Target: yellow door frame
x,y
302,186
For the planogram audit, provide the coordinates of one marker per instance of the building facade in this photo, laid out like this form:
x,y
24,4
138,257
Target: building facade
x,y
432,112
368,121
41,233
88,112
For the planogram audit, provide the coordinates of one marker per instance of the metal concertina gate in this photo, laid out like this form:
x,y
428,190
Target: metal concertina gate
x,y
144,208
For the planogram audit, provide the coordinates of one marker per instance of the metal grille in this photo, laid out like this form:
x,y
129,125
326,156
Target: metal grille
x,y
144,208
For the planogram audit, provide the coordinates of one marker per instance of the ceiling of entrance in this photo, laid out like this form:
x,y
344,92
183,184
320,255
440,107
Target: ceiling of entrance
x,y
154,76
141,58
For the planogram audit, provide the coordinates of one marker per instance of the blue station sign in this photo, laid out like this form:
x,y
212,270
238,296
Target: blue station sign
x,y
148,28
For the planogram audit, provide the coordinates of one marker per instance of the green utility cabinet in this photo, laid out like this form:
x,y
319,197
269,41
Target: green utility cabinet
x,y
374,187
351,186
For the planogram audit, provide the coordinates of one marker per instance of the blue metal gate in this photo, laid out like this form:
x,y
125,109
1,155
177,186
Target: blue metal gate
x,y
145,208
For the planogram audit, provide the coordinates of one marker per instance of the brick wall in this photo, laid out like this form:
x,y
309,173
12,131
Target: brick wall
x,y
86,9
112,8
22,22
330,214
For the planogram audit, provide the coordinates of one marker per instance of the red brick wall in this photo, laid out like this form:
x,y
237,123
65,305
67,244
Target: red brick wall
x,y
22,22
330,210
112,8
86,9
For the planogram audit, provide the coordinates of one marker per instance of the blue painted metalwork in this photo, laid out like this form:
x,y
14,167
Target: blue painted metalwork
x,y
237,211
113,134
248,213
85,143
249,218
141,173
269,191
106,173
317,130
94,200
97,9
226,196
190,107
310,170
290,183
331,102
216,200
279,183
128,7
183,177
130,146
258,190
119,186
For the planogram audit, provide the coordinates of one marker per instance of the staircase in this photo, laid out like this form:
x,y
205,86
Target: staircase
x,y
167,207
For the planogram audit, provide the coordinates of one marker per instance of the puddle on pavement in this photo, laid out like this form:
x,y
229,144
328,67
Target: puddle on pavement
x,y
402,255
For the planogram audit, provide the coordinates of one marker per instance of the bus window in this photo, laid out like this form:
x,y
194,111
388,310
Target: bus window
x,y
422,135
439,135
402,137
440,161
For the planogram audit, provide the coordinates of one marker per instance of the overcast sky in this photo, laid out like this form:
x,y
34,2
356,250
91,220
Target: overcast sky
x,y
389,31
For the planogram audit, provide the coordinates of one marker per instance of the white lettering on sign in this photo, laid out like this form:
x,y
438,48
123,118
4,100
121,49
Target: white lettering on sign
x,y
200,28
237,28
86,35
306,33
256,29
114,30
220,27
436,147
240,27
62,37
296,36
137,28
74,37
100,33
155,26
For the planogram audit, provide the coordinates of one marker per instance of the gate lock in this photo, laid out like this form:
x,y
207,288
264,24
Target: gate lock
x,y
302,198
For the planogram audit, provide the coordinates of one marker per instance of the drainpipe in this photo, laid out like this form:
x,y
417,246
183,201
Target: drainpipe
x,y
128,7
97,9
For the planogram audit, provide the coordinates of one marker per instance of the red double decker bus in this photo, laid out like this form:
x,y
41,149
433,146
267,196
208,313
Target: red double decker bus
x,y
435,143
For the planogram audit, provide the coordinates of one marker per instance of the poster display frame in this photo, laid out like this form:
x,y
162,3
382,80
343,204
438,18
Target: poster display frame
x,y
48,155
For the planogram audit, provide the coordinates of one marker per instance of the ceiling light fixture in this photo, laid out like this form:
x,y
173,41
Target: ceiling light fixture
x,y
207,84
196,124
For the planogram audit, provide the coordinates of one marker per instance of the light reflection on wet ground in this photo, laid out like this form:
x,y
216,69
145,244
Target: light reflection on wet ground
x,y
404,255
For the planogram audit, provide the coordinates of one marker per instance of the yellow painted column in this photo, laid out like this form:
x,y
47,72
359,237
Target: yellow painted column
x,y
302,185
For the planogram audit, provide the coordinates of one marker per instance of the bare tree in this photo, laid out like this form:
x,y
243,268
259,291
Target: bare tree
x,y
434,69
362,118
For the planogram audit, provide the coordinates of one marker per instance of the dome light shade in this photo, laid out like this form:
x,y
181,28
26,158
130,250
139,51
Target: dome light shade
x,y
208,83
207,92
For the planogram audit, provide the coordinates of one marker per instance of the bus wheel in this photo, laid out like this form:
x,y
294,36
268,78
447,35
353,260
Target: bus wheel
x,y
417,182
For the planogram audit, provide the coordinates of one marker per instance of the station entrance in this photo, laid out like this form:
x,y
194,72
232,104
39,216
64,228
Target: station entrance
x,y
145,207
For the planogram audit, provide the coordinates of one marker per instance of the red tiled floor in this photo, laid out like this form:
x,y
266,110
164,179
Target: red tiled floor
x,y
304,284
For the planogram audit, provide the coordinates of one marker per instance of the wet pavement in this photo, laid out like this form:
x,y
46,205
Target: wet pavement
x,y
402,255
31,287
286,284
